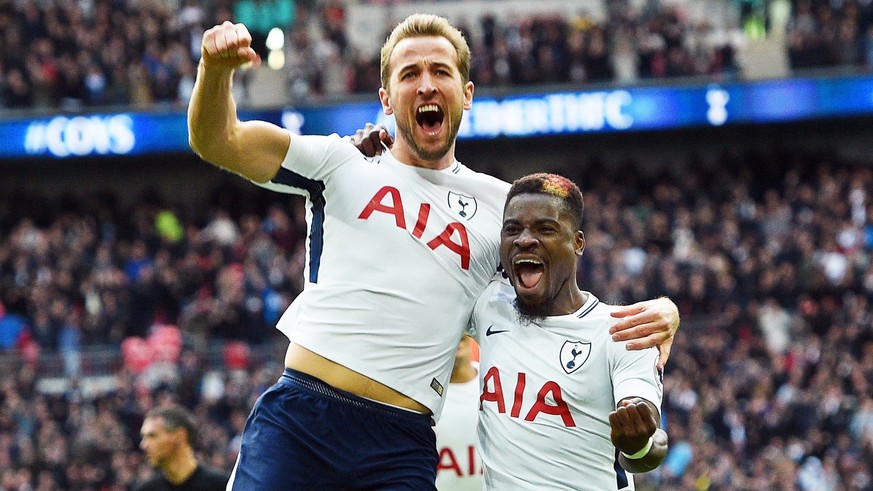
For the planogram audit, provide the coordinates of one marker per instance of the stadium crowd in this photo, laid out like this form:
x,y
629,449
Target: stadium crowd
x,y
73,55
770,385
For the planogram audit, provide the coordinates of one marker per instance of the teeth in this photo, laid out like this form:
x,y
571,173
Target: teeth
x,y
528,261
430,108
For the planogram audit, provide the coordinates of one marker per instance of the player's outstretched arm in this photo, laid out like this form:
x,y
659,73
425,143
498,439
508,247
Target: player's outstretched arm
x,y
635,432
370,139
646,324
254,149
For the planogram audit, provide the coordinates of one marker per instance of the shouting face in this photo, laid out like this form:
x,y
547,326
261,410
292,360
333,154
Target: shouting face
x,y
539,246
427,97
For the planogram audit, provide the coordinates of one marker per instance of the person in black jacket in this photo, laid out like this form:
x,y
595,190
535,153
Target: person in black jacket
x,y
167,435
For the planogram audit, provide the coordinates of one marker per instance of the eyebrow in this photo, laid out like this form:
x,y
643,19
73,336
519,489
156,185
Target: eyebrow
x,y
416,66
439,64
538,221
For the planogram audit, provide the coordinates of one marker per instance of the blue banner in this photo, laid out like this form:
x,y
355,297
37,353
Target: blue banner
x,y
533,114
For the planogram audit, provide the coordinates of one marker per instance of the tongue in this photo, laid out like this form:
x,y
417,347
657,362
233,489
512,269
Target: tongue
x,y
431,127
530,275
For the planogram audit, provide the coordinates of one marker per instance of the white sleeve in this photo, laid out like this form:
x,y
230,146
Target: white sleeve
x,y
636,374
310,158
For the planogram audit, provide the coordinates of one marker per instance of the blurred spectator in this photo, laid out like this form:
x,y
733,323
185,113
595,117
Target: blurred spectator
x,y
459,467
169,433
12,328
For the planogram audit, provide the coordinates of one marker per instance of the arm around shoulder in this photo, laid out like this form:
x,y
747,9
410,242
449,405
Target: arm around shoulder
x,y
646,324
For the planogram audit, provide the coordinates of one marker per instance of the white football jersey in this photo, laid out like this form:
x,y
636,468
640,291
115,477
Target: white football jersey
x,y
396,256
546,393
460,467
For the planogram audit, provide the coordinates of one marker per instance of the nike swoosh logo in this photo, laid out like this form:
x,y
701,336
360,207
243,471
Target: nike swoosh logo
x,y
489,331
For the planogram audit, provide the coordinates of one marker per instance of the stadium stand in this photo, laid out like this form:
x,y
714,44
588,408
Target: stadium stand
x,y
73,56
770,380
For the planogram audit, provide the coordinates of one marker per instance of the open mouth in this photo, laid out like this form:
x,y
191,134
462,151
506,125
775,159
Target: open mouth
x,y
529,272
430,118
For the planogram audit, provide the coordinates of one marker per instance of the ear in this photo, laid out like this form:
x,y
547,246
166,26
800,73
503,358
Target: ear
x,y
181,435
579,241
385,98
468,96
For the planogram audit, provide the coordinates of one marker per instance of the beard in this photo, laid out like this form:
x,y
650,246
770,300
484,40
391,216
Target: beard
x,y
532,314
424,153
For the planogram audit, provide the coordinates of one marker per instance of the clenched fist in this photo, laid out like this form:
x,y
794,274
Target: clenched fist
x,y
632,423
228,45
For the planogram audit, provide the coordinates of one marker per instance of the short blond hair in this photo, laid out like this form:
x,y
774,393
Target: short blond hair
x,y
421,25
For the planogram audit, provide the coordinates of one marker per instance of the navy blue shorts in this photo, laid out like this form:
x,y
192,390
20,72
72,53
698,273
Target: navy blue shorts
x,y
303,434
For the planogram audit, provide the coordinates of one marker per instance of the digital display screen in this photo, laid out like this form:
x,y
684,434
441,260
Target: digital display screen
x,y
536,114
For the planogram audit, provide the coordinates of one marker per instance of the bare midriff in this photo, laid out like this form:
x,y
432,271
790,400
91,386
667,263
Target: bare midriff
x,y
337,376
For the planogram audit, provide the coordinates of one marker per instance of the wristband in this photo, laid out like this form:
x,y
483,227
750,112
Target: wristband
x,y
642,453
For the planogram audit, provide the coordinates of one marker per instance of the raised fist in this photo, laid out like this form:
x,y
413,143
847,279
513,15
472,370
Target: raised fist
x,y
228,45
